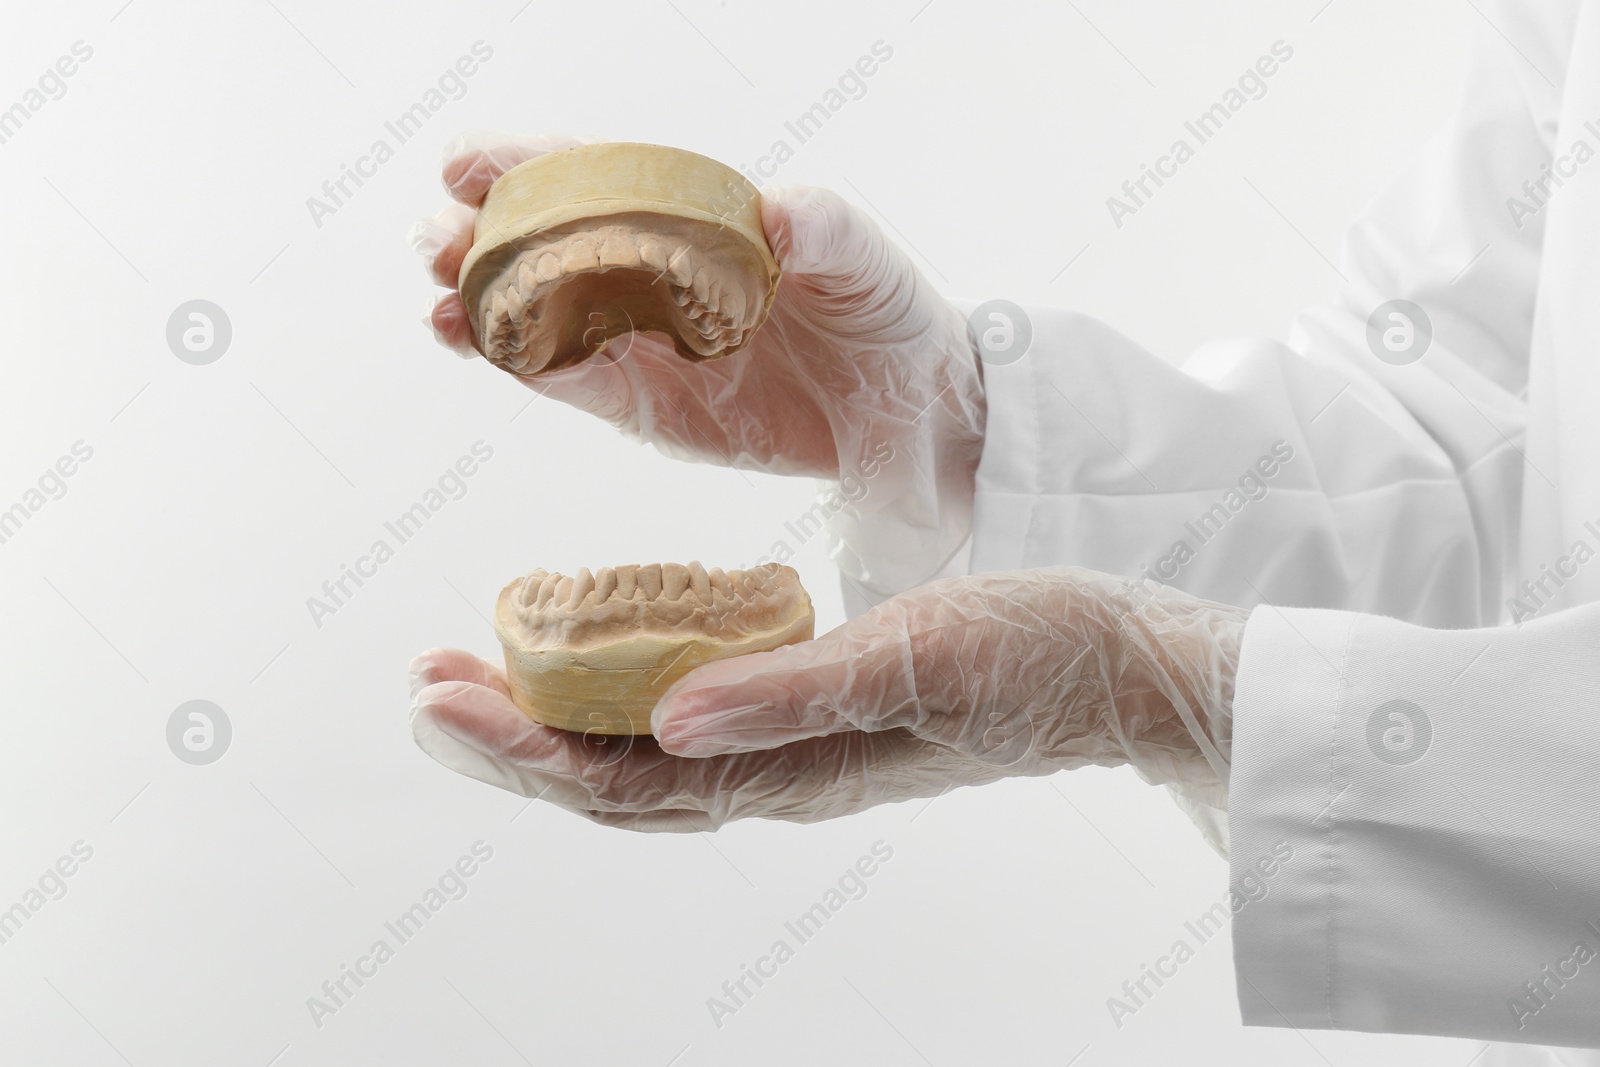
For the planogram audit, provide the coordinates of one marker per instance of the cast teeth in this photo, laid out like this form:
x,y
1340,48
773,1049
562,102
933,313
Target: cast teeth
x,y
618,251
674,580
654,581
529,593
579,256
582,586
716,314
680,268
627,580
650,580
653,254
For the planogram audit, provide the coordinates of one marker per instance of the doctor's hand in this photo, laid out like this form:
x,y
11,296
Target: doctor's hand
x,y
961,682
861,371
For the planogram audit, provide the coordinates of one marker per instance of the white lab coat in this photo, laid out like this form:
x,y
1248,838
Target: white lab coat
x,y
1420,896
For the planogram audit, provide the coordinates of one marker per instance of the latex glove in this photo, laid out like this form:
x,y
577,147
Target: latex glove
x,y
961,682
863,375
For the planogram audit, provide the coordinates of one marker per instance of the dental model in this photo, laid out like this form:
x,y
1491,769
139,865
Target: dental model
x,y
578,246
595,652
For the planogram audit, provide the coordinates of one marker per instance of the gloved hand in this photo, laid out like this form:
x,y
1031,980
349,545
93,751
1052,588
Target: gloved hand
x,y
961,682
863,375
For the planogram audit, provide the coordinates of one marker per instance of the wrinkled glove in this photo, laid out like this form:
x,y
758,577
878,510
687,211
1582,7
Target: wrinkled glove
x,y
962,682
863,375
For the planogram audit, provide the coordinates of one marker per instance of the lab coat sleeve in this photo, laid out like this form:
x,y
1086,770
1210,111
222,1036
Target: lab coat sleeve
x,y
1310,472
1413,815
1324,474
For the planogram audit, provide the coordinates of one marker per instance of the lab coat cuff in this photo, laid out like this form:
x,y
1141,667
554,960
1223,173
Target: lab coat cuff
x,y
1008,472
1286,708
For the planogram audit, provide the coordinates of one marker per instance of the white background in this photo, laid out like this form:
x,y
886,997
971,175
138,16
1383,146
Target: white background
x,y
177,566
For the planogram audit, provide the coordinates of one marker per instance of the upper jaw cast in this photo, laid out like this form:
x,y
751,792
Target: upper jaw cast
x,y
691,295
583,244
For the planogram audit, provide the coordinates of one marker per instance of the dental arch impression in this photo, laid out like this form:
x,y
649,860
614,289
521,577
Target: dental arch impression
x,y
594,652
578,246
